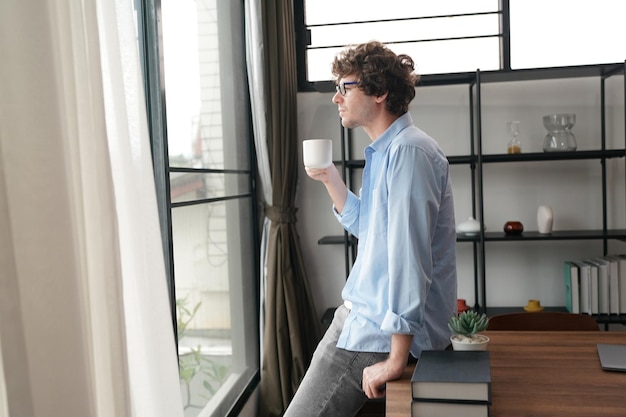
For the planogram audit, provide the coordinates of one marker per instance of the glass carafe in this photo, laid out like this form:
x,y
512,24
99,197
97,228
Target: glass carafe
x,y
560,137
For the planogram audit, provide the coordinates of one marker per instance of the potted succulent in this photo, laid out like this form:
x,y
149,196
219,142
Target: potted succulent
x,y
465,328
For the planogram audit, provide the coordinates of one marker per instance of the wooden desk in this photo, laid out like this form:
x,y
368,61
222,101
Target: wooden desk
x,y
541,374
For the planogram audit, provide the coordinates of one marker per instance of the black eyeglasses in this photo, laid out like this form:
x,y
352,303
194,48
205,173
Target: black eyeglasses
x,y
341,87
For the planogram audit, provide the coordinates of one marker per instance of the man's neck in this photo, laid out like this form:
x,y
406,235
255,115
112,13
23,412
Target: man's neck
x,y
380,125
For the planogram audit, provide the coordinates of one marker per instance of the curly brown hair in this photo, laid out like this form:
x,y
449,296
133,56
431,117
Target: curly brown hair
x,y
379,70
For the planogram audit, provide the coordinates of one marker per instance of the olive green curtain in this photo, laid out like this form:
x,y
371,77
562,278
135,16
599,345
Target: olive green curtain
x,y
291,329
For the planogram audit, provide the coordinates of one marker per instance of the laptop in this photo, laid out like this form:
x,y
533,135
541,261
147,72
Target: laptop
x,y
612,357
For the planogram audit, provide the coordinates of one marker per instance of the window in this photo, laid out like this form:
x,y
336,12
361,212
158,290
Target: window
x,y
566,33
462,35
197,98
456,36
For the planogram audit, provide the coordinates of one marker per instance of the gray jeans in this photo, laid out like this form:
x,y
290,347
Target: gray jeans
x,y
332,384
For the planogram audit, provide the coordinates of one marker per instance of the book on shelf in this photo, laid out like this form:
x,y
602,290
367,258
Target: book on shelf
x,y
614,291
594,296
614,285
448,409
621,278
613,277
603,285
572,284
584,274
452,376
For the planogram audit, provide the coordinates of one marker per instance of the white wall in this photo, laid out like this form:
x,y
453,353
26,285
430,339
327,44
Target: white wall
x,y
516,272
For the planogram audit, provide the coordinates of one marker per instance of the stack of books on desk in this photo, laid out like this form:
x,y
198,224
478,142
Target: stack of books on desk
x,y
451,383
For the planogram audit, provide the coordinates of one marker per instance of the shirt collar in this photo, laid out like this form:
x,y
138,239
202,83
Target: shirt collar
x,y
382,143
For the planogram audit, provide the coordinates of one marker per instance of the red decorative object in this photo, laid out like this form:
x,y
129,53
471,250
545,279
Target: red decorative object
x,y
513,228
461,305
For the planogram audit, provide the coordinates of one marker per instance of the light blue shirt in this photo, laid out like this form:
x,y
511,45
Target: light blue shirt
x,y
404,277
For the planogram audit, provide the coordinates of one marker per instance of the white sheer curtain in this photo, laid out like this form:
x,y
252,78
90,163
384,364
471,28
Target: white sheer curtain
x,y
85,328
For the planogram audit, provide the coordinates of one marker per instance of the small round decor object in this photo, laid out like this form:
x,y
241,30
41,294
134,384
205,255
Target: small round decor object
x,y
533,306
513,228
469,227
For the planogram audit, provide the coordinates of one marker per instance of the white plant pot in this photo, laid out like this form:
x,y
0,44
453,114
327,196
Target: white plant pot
x,y
477,342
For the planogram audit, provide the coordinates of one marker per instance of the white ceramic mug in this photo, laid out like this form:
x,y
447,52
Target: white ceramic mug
x,y
317,153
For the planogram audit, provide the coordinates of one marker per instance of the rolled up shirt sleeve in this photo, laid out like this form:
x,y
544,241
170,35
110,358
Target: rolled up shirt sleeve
x,y
349,217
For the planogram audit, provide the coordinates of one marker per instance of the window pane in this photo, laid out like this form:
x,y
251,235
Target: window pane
x,y
426,31
189,186
434,57
213,266
204,102
406,30
563,33
321,12
214,257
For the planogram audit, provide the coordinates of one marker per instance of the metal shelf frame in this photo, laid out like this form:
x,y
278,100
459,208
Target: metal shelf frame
x,y
477,159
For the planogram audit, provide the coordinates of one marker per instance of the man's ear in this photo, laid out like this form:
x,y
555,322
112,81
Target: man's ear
x,y
381,98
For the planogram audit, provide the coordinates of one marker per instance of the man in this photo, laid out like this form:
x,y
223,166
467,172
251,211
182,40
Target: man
x,y
401,291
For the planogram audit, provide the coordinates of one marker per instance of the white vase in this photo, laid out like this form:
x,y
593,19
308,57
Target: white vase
x,y
545,218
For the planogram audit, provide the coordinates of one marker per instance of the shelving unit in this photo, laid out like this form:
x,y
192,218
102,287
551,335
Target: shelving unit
x,y
477,160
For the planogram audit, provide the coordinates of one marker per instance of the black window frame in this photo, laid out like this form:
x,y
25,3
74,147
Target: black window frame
x,y
303,40
150,46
